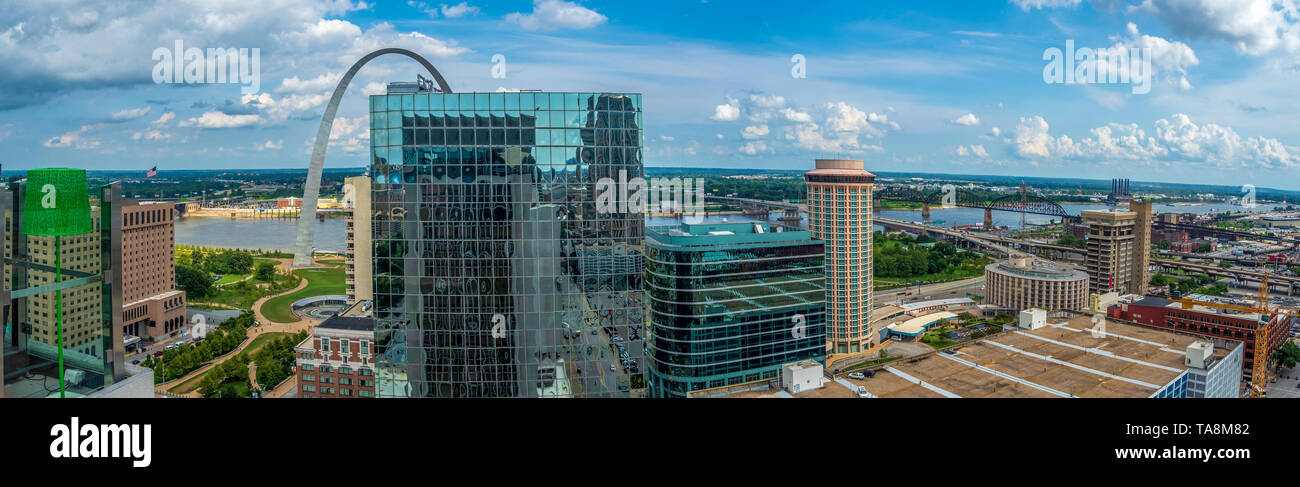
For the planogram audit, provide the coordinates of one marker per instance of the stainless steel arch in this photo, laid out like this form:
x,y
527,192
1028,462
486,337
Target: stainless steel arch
x,y
311,190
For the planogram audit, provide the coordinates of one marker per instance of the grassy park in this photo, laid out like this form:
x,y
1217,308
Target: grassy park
x,y
320,281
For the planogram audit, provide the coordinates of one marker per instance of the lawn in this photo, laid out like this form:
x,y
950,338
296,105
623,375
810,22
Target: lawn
x,y
229,278
319,282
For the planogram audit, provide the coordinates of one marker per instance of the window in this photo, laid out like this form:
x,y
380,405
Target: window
x,y
307,367
324,344
365,346
308,388
308,378
343,347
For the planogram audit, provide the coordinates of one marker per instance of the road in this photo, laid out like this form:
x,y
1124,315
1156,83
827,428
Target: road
x,y
943,290
1287,385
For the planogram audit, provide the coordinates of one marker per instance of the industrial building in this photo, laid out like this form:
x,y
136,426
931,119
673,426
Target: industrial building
x,y
1029,282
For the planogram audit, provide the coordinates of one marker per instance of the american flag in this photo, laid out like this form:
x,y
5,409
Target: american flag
x,y
151,173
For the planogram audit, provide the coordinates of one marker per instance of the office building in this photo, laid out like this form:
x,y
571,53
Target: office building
x,y
357,256
152,306
337,360
1211,374
839,214
1029,282
92,295
731,303
1109,259
1141,266
495,274
82,305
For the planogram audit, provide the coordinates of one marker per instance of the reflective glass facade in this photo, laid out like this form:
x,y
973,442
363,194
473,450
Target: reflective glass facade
x,y
494,273
731,303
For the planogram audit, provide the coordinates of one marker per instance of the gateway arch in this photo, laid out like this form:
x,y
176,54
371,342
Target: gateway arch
x,y
311,191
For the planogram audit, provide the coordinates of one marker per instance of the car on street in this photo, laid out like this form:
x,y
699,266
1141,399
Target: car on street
x,y
612,369
856,375
136,361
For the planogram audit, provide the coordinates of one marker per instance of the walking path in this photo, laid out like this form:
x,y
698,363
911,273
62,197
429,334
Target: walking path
x,y
267,326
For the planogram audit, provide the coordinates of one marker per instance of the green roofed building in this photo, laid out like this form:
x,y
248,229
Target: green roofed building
x,y
730,303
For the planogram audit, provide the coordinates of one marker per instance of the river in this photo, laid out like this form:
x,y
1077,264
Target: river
x,y
257,233
279,234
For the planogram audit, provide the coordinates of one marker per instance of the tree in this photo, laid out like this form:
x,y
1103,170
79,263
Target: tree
x,y
1164,244
195,282
1288,354
265,271
966,317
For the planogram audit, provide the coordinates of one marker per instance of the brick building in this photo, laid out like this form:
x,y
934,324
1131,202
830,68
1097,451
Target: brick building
x,y
1219,325
151,306
337,360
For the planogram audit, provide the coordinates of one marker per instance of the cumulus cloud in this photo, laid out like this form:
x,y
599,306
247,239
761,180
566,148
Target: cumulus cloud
x,y
166,117
50,48
75,139
829,127
1252,27
727,112
218,120
271,145
968,120
350,135
976,150
1028,5
152,135
549,15
755,132
129,114
1176,139
459,10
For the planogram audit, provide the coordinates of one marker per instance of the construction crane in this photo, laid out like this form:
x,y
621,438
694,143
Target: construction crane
x,y
1259,370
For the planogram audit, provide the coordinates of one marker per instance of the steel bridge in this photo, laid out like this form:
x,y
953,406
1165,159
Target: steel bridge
x,y
1024,201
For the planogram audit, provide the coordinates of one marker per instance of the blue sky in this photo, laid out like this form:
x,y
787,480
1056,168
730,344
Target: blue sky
x,y
953,87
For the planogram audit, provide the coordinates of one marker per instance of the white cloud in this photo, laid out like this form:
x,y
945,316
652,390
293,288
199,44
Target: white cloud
x,y
320,83
976,150
459,10
1028,5
166,117
351,135
129,114
667,138
754,147
719,136
75,139
727,112
1252,27
1168,58
271,145
968,120
152,135
755,132
551,15
212,120
1177,139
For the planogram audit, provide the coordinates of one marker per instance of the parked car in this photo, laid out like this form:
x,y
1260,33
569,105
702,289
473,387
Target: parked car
x,y
136,361
857,375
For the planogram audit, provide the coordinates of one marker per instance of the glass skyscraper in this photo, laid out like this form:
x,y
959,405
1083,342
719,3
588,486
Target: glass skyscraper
x,y
495,275
730,303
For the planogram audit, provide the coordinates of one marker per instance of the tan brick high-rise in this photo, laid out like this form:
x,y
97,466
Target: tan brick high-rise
x,y
1141,246
1110,250
839,213
151,305
357,258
